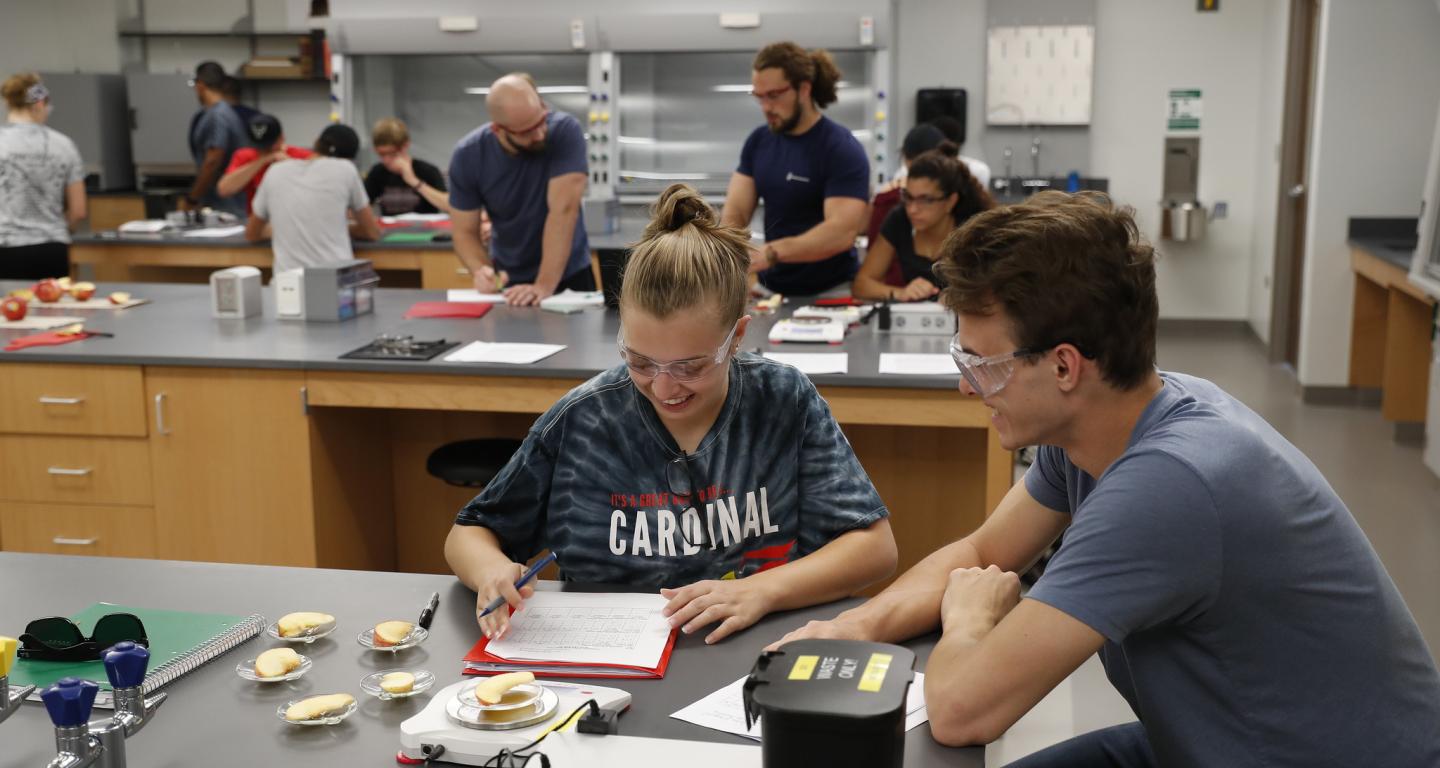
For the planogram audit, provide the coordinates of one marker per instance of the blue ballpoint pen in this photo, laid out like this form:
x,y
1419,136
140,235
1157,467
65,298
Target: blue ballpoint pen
x,y
528,575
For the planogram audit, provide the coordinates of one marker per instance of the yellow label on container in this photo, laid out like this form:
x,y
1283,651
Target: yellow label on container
x,y
7,655
804,667
874,675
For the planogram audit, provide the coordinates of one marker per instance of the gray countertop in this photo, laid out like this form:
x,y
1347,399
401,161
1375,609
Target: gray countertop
x,y
176,329
1390,238
1401,253
214,718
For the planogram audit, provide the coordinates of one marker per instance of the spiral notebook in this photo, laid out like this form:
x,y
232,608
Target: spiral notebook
x,y
180,641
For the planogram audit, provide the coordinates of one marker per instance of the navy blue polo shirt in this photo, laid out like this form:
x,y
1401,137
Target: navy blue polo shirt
x,y
793,176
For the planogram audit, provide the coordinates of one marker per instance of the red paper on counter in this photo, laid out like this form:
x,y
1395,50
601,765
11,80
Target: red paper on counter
x,y
446,309
47,339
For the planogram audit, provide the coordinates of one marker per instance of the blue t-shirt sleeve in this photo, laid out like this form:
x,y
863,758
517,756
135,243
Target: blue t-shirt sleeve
x,y
1144,550
567,148
513,505
1045,480
849,173
747,155
465,192
210,131
836,495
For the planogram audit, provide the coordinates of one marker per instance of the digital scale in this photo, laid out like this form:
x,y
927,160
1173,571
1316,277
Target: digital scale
x,y
813,330
473,733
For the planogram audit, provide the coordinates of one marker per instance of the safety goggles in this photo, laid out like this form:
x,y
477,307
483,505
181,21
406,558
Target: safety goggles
x,y
989,375
689,369
545,115
56,638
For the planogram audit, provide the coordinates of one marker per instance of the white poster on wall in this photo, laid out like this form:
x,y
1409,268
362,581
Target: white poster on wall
x,y
1185,107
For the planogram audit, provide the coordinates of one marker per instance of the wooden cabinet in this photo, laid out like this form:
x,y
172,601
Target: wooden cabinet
x,y
74,529
229,452
74,463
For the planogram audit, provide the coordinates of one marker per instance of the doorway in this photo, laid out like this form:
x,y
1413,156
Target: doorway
x,y
1293,193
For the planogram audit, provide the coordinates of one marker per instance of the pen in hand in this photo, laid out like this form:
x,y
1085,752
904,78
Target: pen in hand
x,y
522,581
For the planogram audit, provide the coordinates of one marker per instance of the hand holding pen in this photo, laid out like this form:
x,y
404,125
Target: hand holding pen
x,y
493,620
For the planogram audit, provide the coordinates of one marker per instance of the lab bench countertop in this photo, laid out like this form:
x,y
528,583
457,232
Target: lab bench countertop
x,y
215,718
176,329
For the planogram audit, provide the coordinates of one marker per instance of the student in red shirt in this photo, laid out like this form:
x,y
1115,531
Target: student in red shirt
x,y
248,164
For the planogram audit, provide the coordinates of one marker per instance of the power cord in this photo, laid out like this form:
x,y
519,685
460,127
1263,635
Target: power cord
x,y
520,758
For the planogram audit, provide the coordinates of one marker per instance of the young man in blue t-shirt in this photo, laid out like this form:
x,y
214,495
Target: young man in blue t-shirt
x,y
526,168
1233,599
810,171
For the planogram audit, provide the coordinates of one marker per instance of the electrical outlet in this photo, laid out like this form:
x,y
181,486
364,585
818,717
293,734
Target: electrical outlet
x,y
1222,209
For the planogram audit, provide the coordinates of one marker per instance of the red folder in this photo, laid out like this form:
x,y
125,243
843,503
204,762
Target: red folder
x,y
477,662
447,309
45,339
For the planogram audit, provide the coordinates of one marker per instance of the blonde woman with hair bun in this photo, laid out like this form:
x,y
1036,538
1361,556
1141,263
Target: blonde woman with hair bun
x,y
719,478
42,185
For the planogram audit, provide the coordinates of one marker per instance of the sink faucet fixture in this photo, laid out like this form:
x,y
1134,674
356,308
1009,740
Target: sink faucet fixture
x,y
103,742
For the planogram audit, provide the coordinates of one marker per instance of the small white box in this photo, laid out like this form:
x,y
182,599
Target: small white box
x,y
235,292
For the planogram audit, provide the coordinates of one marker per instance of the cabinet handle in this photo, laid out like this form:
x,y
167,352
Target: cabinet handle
x,y
48,400
160,414
69,472
64,542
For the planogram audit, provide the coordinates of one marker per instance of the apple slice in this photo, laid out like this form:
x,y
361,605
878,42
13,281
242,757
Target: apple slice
x,y
493,690
315,707
276,662
302,623
119,297
397,682
64,283
82,291
388,633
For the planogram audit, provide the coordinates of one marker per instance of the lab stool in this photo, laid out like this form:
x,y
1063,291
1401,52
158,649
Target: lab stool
x,y
471,463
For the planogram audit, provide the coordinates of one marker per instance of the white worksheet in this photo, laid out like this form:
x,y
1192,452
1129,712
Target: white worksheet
x,y
814,363
587,628
472,296
917,365
515,354
724,710
216,232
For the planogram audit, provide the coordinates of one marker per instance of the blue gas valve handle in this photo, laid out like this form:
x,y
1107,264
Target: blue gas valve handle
x,y
125,664
69,701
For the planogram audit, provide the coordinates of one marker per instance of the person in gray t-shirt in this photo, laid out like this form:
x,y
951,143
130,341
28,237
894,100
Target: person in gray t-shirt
x,y
42,185
305,207
1233,599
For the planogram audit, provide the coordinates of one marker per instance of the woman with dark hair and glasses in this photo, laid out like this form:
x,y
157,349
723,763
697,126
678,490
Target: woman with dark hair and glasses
x,y
939,194
718,478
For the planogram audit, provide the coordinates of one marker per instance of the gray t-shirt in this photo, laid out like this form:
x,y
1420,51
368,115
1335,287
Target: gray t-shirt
x,y
514,189
36,164
219,126
600,481
305,202
1249,622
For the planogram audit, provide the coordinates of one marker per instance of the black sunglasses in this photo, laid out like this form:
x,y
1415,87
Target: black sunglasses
x,y
56,638
686,488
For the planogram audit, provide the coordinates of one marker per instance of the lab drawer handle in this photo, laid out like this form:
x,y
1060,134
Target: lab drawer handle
x,y
70,472
160,414
48,400
64,542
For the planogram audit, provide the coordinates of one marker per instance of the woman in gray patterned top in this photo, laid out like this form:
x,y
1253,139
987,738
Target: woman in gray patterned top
x,y
720,479
42,185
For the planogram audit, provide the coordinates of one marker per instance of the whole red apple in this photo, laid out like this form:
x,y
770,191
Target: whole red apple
x,y
48,290
14,308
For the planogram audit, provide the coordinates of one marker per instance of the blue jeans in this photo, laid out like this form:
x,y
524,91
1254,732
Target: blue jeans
x,y
1120,746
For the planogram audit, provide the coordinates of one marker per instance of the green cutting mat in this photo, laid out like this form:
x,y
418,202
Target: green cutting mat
x,y
408,237
172,634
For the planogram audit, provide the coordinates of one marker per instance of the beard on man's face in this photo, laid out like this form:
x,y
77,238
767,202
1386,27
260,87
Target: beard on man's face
x,y
788,124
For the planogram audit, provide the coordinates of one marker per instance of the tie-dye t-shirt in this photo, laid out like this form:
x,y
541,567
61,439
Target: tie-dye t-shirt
x,y
601,482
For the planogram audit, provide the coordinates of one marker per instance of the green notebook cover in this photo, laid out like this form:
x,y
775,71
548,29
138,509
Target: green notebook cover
x,y
408,237
179,642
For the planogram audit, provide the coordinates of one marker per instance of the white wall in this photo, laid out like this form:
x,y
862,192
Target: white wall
x,y
1143,48
942,45
58,36
1275,37
1375,96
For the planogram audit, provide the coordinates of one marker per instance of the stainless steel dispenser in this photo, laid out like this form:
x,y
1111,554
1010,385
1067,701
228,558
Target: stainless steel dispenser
x,y
1182,215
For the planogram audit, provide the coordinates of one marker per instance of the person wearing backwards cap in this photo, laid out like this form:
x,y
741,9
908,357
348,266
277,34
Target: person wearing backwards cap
x,y
312,208
248,164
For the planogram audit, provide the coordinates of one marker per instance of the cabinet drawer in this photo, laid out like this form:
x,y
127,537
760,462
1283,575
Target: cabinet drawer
x,y
72,529
72,399
77,470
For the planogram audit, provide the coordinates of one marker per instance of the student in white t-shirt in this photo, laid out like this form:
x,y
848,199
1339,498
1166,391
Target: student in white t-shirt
x,y
311,209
